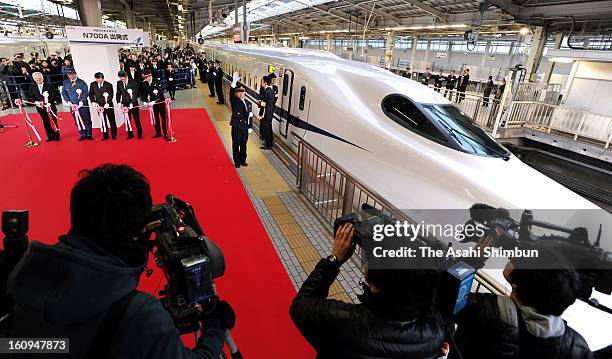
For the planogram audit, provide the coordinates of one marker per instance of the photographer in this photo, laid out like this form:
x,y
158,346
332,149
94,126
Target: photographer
x,y
528,323
395,320
84,287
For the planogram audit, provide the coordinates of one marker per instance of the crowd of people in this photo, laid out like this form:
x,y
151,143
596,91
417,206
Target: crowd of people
x,y
457,84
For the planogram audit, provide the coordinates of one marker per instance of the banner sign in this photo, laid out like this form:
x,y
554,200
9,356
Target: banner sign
x,y
108,35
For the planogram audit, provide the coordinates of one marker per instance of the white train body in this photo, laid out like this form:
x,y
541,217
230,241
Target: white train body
x,y
11,46
341,115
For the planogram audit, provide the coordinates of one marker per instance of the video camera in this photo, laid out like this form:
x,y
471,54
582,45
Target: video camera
x,y
593,264
190,262
454,277
15,229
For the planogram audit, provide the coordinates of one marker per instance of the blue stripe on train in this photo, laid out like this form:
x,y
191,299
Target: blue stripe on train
x,y
294,121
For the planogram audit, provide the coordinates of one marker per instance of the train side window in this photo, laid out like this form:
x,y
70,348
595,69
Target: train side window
x,y
285,84
404,112
302,97
256,83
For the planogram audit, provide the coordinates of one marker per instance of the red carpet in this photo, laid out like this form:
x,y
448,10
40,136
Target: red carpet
x,y
196,169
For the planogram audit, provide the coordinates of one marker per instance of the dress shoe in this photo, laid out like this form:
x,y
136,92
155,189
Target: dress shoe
x,y
157,136
211,95
265,148
104,138
50,139
244,164
130,135
114,137
82,138
89,138
140,137
237,165
220,103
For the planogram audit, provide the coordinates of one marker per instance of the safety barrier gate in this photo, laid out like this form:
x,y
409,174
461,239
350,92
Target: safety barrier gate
x,y
575,122
332,192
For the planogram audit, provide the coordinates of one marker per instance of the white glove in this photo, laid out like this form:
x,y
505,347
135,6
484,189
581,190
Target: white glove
x,y
38,103
250,130
106,106
250,114
80,103
235,79
170,79
155,91
131,106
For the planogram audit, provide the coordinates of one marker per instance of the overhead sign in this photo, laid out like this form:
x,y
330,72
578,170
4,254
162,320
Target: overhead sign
x,y
108,35
441,55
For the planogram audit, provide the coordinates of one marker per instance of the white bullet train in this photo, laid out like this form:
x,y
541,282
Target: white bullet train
x,y
405,141
9,46
408,143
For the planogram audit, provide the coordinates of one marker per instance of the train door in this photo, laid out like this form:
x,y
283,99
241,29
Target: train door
x,y
300,110
285,97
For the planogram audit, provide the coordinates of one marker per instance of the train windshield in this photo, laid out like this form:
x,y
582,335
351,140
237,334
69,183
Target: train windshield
x,y
469,137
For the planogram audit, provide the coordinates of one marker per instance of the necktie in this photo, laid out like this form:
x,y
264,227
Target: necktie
x,y
73,83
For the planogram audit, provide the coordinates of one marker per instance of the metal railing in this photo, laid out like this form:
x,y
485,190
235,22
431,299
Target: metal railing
x,y
538,92
332,191
482,110
578,123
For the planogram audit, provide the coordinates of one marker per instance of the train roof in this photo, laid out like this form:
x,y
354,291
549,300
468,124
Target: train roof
x,y
323,66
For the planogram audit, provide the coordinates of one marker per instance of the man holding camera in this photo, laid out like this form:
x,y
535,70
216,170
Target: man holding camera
x,y
394,319
528,323
84,287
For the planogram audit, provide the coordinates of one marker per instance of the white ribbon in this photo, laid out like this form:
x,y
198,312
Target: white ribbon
x,y
151,113
77,116
126,118
103,124
27,119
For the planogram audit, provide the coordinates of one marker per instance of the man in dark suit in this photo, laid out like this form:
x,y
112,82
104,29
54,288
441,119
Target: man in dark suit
x,y
210,78
242,125
219,82
101,93
267,102
133,73
37,94
127,95
451,80
462,84
153,91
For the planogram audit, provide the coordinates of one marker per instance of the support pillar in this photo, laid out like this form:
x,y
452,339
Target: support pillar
x,y
389,46
130,18
535,54
330,40
90,12
550,65
413,51
245,25
153,33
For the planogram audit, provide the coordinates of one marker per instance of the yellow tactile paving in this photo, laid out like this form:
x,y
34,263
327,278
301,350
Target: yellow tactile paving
x,y
265,182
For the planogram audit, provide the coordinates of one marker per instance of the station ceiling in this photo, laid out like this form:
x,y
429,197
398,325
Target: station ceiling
x,y
403,16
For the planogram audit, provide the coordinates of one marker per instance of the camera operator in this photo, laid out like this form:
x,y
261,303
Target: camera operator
x,y
394,319
528,323
84,287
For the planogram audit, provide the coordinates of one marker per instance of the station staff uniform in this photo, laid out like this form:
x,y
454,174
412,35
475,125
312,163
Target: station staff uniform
x,y
266,121
219,83
159,110
242,123
70,95
210,79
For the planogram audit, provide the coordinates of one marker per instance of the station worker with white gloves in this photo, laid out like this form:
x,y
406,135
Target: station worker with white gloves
x,y
242,125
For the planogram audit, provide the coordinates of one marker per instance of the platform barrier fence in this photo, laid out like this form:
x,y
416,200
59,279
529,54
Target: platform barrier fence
x,y
575,122
332,192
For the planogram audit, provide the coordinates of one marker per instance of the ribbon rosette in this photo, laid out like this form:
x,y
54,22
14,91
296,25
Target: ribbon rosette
x,y
126,118
103,124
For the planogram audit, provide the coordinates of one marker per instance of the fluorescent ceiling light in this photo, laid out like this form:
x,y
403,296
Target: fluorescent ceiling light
x,y
524,30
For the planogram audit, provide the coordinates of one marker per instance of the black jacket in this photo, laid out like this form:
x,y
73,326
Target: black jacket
x,y
64,291
269,97
147,91
96,93
240,114
36,95
464,80
123,96
341,330
482,334
137,74
218,76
